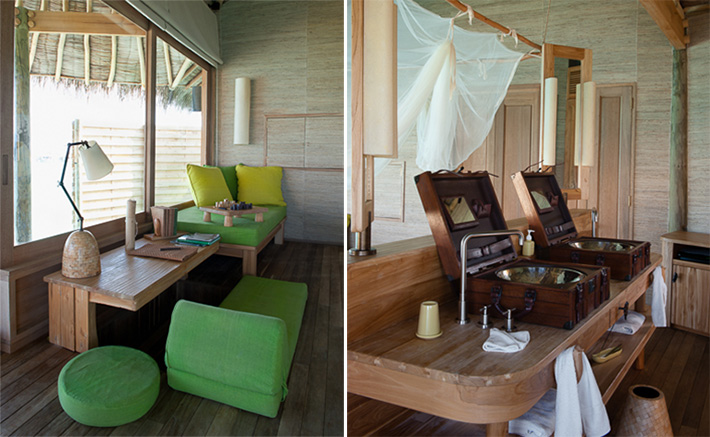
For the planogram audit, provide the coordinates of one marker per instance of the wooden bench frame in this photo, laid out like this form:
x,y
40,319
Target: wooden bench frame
x,y
249,254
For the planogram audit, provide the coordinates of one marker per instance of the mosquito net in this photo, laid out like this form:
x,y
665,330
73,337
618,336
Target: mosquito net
x,y
451,82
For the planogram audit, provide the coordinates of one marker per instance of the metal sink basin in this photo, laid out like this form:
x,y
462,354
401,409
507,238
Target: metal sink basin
x,y
541,275
610,246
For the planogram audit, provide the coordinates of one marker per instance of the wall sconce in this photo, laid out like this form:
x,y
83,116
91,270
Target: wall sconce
x,y
380,78
585,124
549,127
242,100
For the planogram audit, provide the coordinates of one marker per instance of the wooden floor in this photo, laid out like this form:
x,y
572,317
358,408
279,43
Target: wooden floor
x,y
676,362
314,405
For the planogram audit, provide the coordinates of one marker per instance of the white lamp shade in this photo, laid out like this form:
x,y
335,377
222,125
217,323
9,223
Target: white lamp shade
x,y
549,131
242,106
96,163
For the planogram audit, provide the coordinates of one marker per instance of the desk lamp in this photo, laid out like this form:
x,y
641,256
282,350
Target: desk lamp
x,y
81,257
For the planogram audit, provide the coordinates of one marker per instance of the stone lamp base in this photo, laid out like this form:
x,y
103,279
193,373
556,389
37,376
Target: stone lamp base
x,y
81,258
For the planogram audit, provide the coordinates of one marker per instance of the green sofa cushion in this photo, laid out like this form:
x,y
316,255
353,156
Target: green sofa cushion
x,y
230,177
207,185
239,349
245,232
271,297
108,386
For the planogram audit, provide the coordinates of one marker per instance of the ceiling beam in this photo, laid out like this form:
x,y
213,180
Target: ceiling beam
x,y
671,23
83,23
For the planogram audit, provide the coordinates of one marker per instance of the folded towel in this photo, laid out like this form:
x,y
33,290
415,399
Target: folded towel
x,y
578,406
501,341
539,421
658,299
630,324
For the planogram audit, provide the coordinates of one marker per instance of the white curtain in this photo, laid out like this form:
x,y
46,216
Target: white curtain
x,y
450,84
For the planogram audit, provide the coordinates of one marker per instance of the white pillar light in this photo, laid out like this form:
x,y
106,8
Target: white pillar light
x,y
549,131
242,100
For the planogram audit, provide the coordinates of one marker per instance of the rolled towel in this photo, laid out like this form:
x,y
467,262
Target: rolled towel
x,y
501,341
539,421
628,325
658,299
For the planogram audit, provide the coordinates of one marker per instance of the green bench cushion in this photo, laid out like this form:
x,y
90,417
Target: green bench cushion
x,y
108,386
271,297
245,232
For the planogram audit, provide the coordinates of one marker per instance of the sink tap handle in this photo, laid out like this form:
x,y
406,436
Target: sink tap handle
x,y
509,327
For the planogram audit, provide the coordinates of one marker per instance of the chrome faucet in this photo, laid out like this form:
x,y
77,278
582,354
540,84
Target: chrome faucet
x,y
463,317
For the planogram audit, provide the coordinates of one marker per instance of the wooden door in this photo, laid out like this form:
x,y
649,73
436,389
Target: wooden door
x,y
612,183
690,299
511,146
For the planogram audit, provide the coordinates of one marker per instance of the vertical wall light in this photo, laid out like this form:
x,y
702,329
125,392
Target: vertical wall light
x,y
242,100
549,129
380,78
585,134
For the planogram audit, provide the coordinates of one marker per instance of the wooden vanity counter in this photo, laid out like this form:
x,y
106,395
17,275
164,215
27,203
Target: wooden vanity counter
x,y
452,376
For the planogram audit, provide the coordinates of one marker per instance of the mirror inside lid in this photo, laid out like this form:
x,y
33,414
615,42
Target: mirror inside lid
x,y
460,203
545,208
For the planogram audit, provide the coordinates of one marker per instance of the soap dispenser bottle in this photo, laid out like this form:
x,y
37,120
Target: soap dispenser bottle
x,y
529,245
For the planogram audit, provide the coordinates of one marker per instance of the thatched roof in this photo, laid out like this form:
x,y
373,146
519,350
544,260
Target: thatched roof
x,y
49,48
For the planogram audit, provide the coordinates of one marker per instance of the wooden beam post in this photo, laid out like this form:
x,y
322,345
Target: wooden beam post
x,y
150,104
7,30
23,168
678,190
209,94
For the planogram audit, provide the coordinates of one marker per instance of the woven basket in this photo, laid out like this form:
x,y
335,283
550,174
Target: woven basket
x,y
644,414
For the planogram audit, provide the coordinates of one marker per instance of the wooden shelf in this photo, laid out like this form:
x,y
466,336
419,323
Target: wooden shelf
x,y
610,374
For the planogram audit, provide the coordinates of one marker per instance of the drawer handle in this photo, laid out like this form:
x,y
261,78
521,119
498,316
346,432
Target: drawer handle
x,y
675,277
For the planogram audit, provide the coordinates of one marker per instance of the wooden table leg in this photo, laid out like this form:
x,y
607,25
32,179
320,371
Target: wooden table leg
x,y
259,217
228,221
207,217
640,362
85,321
497,429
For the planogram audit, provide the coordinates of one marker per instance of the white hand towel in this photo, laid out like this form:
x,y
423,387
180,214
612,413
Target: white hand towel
x,y
630,324
578,406
539,421
658,300
501,341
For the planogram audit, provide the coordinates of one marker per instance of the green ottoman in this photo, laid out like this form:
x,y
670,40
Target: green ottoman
x,y
108,386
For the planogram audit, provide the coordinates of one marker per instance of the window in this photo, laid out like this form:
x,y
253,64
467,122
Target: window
x,y
178,123
71,87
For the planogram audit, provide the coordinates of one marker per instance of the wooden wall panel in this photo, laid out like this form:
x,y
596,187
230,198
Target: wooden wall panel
x,y
293,54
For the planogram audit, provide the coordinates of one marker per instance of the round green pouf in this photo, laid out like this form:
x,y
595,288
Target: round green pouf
x,y
108,386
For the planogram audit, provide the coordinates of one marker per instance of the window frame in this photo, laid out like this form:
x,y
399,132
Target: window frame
x,y
111,233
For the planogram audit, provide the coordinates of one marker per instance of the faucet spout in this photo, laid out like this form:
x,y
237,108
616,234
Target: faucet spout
x,y
463,317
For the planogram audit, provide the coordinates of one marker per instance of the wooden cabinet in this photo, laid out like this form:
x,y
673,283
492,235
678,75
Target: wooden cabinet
x,y
689,292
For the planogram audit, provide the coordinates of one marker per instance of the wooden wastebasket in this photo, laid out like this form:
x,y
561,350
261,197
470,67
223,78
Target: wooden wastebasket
x,y
644,414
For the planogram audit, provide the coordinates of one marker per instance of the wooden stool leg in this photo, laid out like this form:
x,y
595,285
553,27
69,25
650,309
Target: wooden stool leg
x,y
497,429
279,237
228,221
207,217
259,217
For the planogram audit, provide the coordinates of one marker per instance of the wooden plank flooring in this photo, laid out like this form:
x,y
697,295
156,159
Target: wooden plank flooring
x,y
314,405
677,362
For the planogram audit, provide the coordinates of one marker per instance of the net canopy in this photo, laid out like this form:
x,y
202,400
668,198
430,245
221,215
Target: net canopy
x,y
450,83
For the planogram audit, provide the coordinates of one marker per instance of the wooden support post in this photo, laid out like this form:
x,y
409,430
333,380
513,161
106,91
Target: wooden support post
x,y
168,62
497,429
114,55
23,169
150,104
7,242
678,189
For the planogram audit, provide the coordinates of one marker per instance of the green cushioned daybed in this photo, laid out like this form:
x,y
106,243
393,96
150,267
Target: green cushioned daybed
x,y
108,386
239,354
260,186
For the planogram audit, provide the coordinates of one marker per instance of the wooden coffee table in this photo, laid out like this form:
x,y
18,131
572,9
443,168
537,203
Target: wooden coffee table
x,y
125,281
229,214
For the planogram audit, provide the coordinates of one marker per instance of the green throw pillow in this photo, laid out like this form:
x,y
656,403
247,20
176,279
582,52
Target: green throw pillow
x,y
207,185
260,185
230,177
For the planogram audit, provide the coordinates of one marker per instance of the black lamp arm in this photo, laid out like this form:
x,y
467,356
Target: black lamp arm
x,y
61,181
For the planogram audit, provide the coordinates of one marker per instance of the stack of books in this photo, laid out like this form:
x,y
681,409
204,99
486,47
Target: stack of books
x,y
197,239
